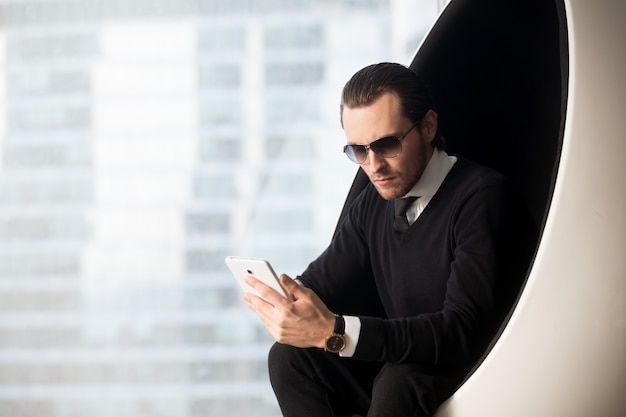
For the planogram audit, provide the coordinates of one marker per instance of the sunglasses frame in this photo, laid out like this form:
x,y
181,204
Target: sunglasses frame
x,y
369,146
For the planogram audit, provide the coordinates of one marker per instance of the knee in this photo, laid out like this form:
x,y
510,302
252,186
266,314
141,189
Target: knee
x,y
405,390
397,373
288,364
280,354
283,359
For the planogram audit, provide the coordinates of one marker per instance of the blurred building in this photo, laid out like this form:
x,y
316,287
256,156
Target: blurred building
x,y
140,143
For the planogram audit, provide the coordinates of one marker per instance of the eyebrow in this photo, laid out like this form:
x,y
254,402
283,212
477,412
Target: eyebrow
x,y
397,135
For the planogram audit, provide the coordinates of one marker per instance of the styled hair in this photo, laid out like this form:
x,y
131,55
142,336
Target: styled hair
x,y
371,82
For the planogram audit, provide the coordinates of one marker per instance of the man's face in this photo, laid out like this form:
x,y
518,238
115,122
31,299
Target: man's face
x,y
392,177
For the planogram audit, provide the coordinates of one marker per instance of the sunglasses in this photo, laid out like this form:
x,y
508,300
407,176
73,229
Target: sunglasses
x,y
386,147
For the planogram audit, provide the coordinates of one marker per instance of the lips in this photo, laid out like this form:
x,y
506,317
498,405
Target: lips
x,y
384,181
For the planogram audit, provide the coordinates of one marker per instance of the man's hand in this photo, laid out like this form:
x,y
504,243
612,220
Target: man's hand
x,y
303,321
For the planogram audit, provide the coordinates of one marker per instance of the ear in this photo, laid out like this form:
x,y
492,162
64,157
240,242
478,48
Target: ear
x,y
429,125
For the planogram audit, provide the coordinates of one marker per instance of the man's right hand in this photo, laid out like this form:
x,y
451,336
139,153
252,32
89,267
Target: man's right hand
x,y
302,321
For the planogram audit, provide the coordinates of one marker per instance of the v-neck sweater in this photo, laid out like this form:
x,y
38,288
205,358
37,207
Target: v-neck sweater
x,y
435,294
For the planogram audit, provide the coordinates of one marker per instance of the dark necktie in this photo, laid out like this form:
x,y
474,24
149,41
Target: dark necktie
x,y
401,205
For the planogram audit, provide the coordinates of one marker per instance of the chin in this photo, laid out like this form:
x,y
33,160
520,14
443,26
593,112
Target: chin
x,y
390,193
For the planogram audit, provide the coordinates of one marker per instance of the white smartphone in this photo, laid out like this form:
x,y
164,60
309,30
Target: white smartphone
x,y
259,268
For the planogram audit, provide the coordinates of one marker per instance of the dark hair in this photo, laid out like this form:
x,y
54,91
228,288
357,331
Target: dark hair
x,y
371,82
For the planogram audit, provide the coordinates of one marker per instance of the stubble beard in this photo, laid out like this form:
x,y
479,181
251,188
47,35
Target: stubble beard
x,y
407,182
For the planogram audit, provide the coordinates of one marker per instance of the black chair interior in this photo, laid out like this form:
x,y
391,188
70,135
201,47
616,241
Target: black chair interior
x,y
498,71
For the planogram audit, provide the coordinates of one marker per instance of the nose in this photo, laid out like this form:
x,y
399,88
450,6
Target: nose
x,y
373,163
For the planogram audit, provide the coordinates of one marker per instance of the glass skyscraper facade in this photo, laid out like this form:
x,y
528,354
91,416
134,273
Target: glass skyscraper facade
x,y
141,142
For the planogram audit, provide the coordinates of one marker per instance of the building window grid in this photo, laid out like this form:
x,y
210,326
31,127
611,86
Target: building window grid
x,y
295,73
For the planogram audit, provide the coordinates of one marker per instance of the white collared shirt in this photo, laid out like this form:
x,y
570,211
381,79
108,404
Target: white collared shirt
x,y
430,181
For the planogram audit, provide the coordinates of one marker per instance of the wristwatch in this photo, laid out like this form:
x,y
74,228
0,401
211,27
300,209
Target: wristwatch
x,y
337,339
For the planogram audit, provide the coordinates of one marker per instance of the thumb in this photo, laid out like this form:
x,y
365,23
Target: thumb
x,y
291,286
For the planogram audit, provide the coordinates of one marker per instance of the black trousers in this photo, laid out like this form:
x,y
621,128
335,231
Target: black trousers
x,y
314,383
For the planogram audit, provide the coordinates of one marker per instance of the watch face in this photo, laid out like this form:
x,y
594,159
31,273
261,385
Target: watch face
x,y
335,343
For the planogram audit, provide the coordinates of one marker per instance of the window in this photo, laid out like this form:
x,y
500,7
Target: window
x,y
141,142
47,154
200,223
220,76
51,46
291,147
294,74
295,37
214,186
51,117
293,109
226,111
227,39
216,149
44,227
33,83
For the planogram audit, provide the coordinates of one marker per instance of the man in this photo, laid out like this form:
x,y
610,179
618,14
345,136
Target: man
x,y
391,317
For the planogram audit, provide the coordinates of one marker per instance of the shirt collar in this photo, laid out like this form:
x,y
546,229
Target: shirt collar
x,y
434,174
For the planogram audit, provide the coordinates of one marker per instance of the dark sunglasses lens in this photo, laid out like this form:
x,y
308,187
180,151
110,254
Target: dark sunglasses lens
x,y
387,147
356,153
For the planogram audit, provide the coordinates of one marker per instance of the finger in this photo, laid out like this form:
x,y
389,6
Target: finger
x,y
253,301
293,287
267,293
264,311
287,282
258,306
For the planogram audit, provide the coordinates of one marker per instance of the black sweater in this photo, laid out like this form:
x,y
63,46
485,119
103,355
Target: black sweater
x,y
436,294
